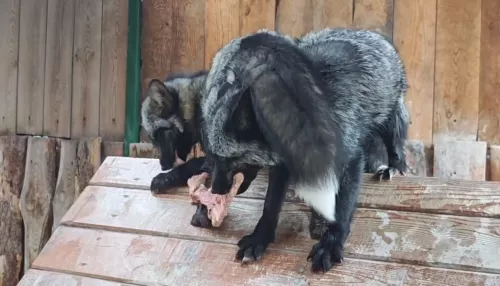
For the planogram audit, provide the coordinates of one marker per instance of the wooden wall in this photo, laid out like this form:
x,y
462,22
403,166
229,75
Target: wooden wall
x,y
63,68
449,47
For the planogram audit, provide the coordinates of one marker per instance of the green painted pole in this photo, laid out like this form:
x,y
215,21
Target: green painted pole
x,y
133,87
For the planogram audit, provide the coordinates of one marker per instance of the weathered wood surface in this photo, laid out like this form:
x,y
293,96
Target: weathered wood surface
x,y
86,69
494,163
409,231
222,24
418,238
58,68
416,158
460,160
143,150
327,13
88,160
12,160
456,91
415,39
65,193
113,69
374,14
36,195
435,195
32,46
46,278
256,14
294,17
147,259
9,51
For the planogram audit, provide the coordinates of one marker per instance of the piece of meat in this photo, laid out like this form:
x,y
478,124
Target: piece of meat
x,y
217,205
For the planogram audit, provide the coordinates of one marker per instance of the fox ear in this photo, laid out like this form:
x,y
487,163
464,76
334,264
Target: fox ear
x,y
162,95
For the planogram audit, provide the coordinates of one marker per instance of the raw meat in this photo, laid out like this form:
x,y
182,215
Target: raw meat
x,y
217,205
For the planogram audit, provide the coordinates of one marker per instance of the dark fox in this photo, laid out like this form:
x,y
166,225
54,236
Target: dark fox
x,y
306,109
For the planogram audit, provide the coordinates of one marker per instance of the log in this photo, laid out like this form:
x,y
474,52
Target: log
x,y
36,195
65,193
12,158
88,160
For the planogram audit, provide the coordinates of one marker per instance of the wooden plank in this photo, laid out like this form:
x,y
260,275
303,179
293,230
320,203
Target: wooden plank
x,y
143,150
58,68
36,277
222,24
415,39
460,160
457,70
332,13
113,69
157,43
88,160
86,69
256,14
36,195
417,238
9,49
294,17
111,149
374,14
188,36
489,101
434,195
64,193
32,37
148,260
416,158
494,163
12,158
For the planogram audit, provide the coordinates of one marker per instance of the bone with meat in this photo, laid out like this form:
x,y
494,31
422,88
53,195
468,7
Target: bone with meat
x,y
217,205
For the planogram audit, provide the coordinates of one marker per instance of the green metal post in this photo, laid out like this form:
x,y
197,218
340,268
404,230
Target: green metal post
x,y
132,110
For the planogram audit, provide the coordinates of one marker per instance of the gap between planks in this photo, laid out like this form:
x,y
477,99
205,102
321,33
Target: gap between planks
x,y
391,236
153,260
413,194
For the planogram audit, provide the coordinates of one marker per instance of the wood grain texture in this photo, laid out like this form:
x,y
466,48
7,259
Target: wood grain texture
x,y
157,43
222,24
461,160
157,40
143,150
415,39
64,193
374,14
12,160
294,17
332,13
36,195
188,36
31,76
489,99
456,96
35,277
113,69
88,160
388,235
256,14
86,69
58,68
434,195
151,260
416,158
494,163
111,149
9,51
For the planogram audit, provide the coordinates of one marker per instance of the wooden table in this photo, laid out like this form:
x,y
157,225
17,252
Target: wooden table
x,y
411,231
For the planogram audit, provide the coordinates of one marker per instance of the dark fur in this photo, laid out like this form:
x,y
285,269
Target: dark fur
x,y
306,109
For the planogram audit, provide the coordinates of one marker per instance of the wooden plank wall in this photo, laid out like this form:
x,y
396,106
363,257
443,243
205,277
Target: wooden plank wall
x,y
63,68
40,178
449,48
